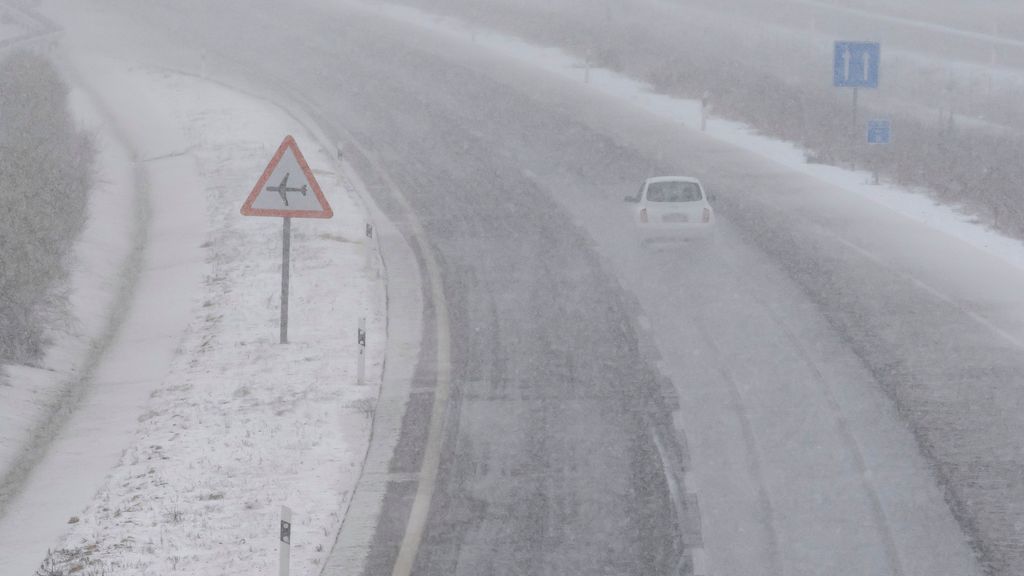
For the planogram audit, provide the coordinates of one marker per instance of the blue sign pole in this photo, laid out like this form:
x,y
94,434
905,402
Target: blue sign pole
x,y
856,65
855,107
879,133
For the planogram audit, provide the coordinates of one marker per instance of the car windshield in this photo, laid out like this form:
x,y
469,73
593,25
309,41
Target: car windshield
x,y
673,192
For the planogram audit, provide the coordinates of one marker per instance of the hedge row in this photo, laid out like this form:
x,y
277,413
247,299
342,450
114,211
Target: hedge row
x,y
46,167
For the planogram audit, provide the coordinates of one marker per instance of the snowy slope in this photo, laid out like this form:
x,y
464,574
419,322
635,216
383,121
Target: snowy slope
x,y
98,279
239,425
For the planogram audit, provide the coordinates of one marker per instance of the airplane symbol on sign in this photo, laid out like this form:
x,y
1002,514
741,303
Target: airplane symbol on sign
x,y
283,189
262,201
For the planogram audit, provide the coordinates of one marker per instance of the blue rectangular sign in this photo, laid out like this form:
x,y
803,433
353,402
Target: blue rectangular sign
x,y
857,64
879,131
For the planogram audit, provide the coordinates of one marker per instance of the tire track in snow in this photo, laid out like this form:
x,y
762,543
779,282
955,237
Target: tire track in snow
x,y
882,524
755,467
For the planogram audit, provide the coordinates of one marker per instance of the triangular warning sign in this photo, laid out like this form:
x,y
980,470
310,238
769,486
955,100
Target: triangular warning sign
x,y
287,188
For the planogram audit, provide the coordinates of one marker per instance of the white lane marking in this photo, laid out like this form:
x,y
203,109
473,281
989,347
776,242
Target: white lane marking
x,y
427,476
670,477
1010,338
432,451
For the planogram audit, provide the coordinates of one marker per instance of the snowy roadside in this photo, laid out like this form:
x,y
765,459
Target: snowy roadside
x,y
241,424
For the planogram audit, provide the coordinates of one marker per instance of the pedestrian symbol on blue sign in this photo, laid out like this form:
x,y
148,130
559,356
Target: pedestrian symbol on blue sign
x,y
879,131
857,64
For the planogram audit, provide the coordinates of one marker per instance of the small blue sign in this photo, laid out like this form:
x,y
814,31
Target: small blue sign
x,y
857,64
879,131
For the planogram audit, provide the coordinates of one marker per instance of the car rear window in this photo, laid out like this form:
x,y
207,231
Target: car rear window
x,y
673,192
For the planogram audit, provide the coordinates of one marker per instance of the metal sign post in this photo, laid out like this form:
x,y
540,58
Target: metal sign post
x,y
286,258
879,133
854,124
286,540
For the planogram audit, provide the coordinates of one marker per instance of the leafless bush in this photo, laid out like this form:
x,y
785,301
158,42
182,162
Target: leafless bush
x,y
45,178
70,561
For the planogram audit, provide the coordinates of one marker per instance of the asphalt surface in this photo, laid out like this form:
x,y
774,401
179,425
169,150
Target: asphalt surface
x,y
851,407
548,465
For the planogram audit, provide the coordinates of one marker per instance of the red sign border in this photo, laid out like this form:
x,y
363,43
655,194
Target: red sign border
x,y
288,143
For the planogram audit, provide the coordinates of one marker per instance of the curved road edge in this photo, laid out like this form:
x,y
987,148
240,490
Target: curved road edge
x,y
413,307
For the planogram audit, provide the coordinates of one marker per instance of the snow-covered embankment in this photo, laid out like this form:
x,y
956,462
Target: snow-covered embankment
x,y
209,424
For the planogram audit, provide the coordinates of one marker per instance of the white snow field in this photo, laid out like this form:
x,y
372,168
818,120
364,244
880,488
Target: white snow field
x,y
199,425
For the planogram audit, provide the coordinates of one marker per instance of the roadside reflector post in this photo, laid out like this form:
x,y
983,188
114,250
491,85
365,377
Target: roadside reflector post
x,y
368,246
704,103
286,540
361,342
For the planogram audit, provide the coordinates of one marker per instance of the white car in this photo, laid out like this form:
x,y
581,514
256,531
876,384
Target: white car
x,y
673,208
